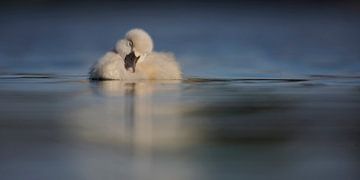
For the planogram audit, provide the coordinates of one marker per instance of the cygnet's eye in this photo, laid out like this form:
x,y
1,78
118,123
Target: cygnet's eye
x,y
130,43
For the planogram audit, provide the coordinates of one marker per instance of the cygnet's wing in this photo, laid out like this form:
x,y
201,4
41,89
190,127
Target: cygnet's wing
x,y
159,65
110,66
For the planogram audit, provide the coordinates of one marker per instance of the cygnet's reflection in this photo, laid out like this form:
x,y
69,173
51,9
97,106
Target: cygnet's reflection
x,y
141,114
137,110
124,88
146,116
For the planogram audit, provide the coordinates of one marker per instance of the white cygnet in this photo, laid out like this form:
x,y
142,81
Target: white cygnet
x,y
133,59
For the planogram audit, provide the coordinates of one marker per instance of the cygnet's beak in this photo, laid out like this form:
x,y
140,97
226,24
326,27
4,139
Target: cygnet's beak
x,y
131,60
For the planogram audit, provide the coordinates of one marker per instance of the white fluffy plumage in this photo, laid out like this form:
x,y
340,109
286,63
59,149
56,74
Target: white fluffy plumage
x,y
148,65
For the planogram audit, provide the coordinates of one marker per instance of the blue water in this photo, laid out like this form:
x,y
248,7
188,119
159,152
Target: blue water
x,y
208,40
268,93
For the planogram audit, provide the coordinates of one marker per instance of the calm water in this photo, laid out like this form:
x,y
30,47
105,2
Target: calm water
x,y
60,127
253,105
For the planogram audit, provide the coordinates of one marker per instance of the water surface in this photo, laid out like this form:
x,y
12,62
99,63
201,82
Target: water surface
x,y
64,126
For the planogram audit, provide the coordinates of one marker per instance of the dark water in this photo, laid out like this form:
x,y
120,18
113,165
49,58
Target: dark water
x,y
61,127
209,39
270,93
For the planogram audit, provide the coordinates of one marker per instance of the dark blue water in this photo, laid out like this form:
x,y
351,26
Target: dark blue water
x,y
269,93
209,40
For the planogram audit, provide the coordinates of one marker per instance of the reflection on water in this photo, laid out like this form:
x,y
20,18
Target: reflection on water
x,y
146,113
67,127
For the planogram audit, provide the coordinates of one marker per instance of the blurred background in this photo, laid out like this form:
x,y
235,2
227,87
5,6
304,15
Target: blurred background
x,y
271,91
210,38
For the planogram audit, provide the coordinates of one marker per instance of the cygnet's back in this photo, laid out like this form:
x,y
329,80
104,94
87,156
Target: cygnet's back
x,y
160,66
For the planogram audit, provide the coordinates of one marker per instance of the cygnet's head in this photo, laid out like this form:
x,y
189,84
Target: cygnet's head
x,y
134,47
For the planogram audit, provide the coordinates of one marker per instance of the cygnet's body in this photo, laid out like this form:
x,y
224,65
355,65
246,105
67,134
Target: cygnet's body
x,y
133,59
